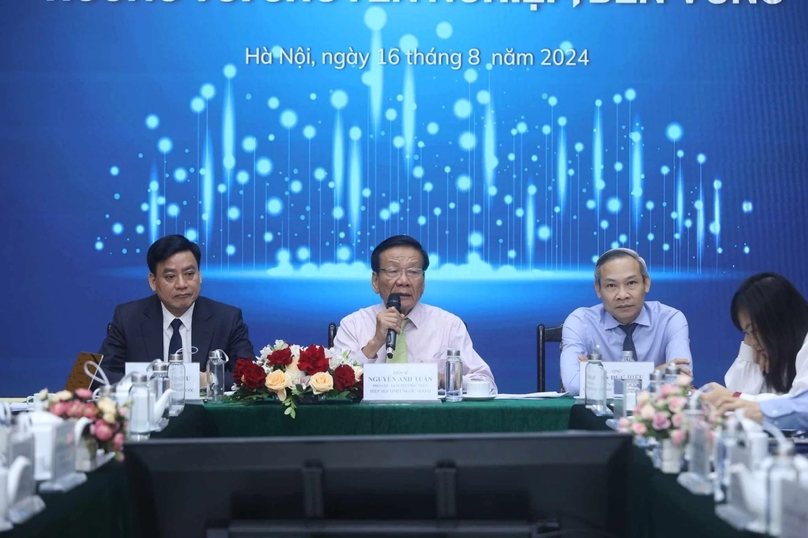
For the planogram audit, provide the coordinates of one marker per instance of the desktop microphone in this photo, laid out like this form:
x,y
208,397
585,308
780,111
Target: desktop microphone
x,y
393,300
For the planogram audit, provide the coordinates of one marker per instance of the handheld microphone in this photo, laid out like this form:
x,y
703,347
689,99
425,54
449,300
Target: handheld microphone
x,y
393,300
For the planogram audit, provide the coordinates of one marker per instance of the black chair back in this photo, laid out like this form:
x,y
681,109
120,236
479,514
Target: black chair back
x,y
543,335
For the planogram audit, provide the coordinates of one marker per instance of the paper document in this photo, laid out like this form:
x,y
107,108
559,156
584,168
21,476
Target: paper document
x,y
530,396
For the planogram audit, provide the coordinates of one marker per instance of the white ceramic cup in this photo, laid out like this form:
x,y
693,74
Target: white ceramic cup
x,y
478,389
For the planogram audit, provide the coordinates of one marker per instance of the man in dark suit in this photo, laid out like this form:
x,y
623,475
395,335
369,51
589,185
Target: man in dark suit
x,y
176,318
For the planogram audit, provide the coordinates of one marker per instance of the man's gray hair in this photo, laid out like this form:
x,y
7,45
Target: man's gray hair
x,y
615,253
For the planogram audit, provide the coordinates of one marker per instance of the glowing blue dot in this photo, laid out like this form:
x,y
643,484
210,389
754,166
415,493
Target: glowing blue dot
x,y
338,213
268,237
475,239
590,204
531,189
649,205
720,250
562,121
117,196
462,108
320,173
391,114
99,245
680,153
309,131
615,244
698,204
408,42
180,175
395,207
172,210
197,104
428,186
508,199
375,18
674,132
384,214
614,205
746,250
552,101
288,119
622,238
463,183
617,98
161,200
263,166
746,207
701,158
229,162
444,30
229,71
511,253
499,223
492,190
717,184
398,142
274,206
688,223
604,224
451,205
598,103
144,207
665,170
666,247
114,171
233,213
165,144
579,147
468,141
483,97
631,94
366,192
650,236
207,91
544,233
117,228
355,133
447,169
557,209
432,128
303,253
230,250
635,137
296,186
139,229
476,208
565,45
249,143
273,103
600,184
470,76
191,234
437,211
715,228
418,171
421,220
243,177
618,166
546,129
339,99
152,121
283,256
344,254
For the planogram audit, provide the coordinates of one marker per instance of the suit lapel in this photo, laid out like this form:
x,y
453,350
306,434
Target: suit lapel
x,y
202,331
152,330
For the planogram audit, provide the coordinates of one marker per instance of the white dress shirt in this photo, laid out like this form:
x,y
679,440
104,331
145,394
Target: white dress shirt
x,y
185,332
430,332
745,376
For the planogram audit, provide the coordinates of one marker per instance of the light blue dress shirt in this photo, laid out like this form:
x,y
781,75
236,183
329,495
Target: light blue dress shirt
x,y
661,336
787,412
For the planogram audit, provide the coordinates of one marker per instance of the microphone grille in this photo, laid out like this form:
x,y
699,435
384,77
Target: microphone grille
x,y
394,300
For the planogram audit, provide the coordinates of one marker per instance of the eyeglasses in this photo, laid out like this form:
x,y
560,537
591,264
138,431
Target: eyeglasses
x,y
412,274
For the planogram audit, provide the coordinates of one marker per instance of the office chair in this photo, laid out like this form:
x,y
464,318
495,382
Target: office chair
x,y
543,335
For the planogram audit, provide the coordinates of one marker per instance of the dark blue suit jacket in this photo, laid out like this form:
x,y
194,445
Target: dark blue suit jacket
x,y
136,334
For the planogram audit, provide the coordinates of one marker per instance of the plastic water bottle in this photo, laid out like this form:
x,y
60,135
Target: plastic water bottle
x,y
140,396
159,385
454,376
596,387
216,364
782,469
176,382
671,373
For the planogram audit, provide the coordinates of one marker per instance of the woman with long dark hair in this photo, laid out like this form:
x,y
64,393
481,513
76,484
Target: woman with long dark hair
x,y
773,358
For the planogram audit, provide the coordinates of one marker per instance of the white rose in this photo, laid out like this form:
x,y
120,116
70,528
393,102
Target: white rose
x,y
266,352
280,344
358,371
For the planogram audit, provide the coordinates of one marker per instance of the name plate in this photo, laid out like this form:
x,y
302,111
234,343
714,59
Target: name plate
x,y
191,376
408,382
63,460
795,514
620,370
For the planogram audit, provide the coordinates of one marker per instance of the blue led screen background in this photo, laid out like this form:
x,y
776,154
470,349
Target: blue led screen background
x,y
679,131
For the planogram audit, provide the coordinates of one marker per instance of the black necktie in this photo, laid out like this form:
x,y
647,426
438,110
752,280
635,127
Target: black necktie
x,y
175,345
628,343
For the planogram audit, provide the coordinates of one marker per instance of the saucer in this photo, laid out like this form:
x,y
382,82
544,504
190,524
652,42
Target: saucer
x,y
466,397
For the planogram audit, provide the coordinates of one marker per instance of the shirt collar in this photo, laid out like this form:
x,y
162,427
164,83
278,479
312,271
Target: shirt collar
x,y
168,317
643,319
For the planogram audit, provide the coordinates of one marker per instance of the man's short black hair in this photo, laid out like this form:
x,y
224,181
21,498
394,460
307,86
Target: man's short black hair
x,y
167,246
397,241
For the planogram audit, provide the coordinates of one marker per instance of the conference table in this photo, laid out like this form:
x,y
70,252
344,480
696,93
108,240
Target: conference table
x,y
660,507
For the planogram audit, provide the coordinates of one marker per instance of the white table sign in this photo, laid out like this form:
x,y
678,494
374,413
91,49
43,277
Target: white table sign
x,y
407,382
618,370
191,376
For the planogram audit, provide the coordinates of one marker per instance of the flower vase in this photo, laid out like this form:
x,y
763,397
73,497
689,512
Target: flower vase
x,y
87,455
670,457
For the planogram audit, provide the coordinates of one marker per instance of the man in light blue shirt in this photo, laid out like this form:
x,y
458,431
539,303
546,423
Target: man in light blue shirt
x,y
623,322
788,412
